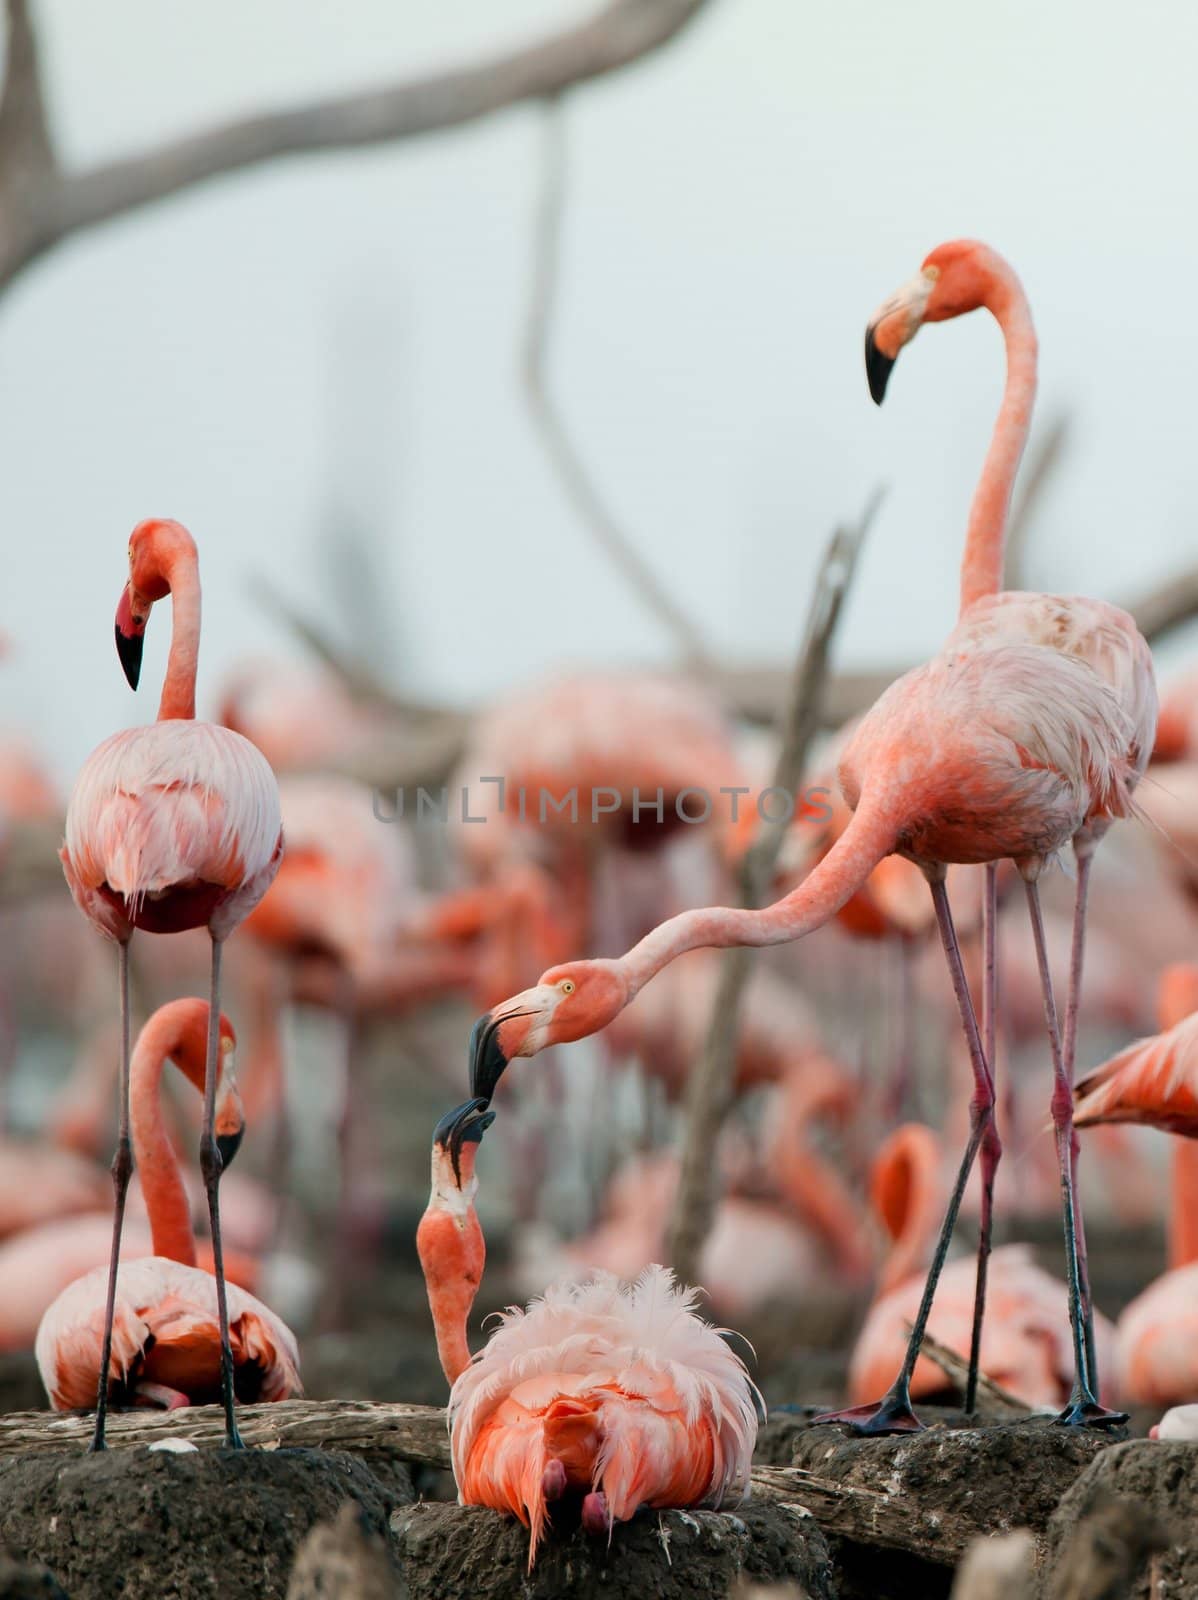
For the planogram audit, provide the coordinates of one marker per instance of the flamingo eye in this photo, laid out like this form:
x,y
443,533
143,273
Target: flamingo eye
x,y
567,986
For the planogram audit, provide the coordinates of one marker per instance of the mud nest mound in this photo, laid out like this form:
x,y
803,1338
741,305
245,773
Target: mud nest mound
x,y
1140,1498
189,1525
19,1581
1005,1475
671,1555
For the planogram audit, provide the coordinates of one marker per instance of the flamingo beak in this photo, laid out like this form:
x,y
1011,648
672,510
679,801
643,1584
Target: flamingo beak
x,y
229,1144
488,1059
894,324
878,367
465,1124
130,632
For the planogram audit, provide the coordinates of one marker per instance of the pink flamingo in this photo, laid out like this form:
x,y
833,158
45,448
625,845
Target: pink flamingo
x,y
620,1395
1023,1348
171,826
38,1264
1011,743
167,1334
957,278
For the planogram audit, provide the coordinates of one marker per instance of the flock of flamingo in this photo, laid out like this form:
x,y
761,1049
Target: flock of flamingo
x,y
1028,735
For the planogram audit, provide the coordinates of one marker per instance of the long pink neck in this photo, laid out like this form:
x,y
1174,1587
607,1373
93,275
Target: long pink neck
x,y
179,690
986,537
1183,1219
157,1164
870,835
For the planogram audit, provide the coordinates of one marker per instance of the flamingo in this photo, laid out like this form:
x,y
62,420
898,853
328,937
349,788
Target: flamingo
x,y
168,1339
1027,733
1023,1347
620,1394
1156,1081
170,826
957,278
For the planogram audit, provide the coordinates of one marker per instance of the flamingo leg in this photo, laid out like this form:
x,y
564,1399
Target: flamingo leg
x,y
122,1171
901,1082
893,1413
210,1168
1083,1409
1083,849
991,1146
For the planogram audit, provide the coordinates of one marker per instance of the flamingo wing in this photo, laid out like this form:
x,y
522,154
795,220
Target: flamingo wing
x,y
1154,1081
165,1335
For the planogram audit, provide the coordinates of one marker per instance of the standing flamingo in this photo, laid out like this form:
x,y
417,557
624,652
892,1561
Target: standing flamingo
x,y
622,1395
1025,734
167,1332
170,826
956,278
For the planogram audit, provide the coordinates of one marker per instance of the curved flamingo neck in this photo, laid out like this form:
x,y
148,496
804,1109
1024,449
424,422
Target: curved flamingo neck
x,y
452,1251
157,1165
1183,1218
986,536
179,688
870,835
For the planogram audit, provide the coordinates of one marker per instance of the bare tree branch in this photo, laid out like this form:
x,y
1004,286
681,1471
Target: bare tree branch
x,y
578,483
622,32
709,1088
997,1401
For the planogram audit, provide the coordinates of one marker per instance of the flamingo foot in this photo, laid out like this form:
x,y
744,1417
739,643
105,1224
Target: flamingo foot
x,y
595,1516
891,1414
1086,1413
553,1480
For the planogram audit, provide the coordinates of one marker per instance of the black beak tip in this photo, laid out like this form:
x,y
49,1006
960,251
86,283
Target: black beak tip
x,y
878,368
465,1124
129,648
487,1060
229,1144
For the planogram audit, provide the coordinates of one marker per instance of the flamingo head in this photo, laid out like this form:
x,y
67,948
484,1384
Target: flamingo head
x,y
568,1002
154,547
190,1055
955,278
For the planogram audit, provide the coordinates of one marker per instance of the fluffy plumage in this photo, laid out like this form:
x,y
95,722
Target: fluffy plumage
x,y
626,1386
1154,1081
166,1339
171,806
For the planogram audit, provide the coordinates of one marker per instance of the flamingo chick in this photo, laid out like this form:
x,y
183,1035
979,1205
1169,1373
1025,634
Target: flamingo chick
x,y
619,1394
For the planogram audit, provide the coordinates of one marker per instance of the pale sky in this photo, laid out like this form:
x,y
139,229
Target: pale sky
x,y
346,328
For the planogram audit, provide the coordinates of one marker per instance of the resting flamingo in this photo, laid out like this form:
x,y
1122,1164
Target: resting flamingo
x,y
1019,738
620,1395
1156,1082
168,1339
170,826
1025,1347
